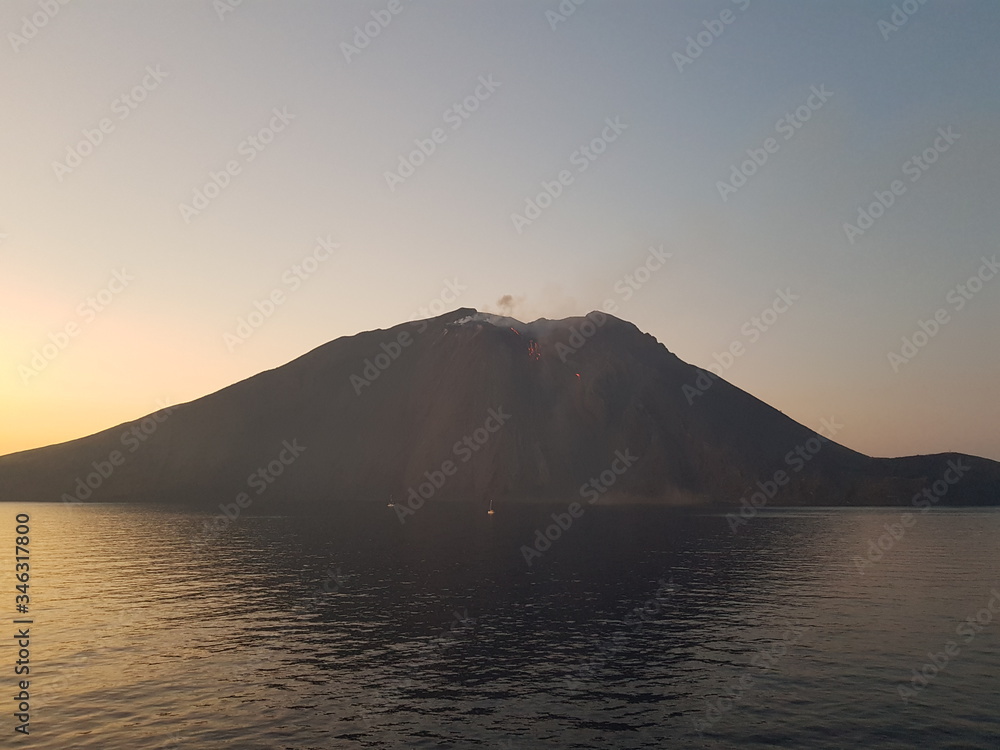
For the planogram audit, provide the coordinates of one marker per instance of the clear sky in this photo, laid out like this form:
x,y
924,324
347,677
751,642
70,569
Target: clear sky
x,y
172,92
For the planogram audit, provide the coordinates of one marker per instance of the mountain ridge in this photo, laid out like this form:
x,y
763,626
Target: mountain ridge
x,y
408,409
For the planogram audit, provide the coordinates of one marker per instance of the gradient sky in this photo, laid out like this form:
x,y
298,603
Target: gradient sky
x,y
324,175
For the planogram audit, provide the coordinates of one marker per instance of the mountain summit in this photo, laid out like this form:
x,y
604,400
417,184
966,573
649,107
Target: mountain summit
x,y
473,407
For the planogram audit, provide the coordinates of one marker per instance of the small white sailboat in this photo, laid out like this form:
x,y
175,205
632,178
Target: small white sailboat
x,y
391,503
490,511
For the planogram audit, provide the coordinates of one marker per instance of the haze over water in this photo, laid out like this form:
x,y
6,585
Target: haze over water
x,y
360,632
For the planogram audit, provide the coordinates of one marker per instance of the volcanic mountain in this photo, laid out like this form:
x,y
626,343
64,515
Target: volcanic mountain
x,y
472,407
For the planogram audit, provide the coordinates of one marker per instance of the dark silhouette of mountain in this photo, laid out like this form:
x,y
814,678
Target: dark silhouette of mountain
x,y
478,408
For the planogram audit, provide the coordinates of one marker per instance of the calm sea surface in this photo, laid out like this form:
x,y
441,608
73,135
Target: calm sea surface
x,y
635,629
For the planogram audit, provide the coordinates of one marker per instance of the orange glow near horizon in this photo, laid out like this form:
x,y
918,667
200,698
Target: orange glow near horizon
x,y
102,384
643,225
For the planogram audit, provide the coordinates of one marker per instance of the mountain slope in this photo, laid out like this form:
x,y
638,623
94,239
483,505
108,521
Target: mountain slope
x,y
472,407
